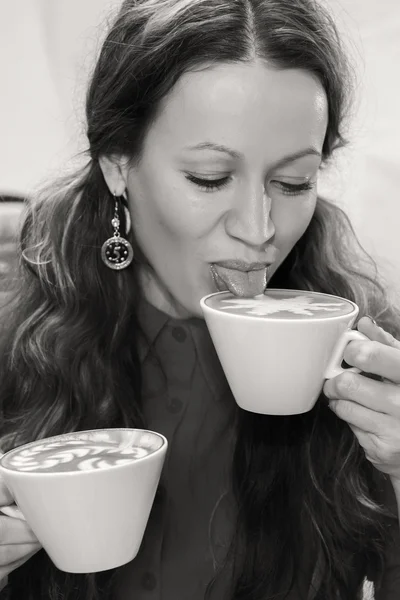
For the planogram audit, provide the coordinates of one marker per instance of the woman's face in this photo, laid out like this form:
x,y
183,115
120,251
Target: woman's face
x,y
227,181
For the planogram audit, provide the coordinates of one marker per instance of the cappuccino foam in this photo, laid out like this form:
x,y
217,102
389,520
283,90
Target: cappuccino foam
x,y
79,452
282,304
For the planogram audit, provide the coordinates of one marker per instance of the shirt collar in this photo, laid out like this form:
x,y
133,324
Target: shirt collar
x,y
153,323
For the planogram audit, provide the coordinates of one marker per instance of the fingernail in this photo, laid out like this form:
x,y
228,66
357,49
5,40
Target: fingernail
x,y
371,319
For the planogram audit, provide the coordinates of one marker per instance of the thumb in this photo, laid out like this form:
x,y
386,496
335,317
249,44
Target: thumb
x,y
5,495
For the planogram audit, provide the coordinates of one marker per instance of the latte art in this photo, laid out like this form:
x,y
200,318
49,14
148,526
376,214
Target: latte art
x,y
282,304
263,305
73,454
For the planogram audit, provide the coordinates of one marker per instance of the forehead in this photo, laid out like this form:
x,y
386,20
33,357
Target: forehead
x,y
244,106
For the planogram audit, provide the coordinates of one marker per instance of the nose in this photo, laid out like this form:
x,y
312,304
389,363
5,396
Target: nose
x,y
249,220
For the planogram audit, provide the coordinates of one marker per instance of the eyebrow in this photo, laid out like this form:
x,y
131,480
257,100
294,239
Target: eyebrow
x,y
234,154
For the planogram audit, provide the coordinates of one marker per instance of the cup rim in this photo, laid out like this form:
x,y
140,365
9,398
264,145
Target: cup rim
x,y
17,473
207,308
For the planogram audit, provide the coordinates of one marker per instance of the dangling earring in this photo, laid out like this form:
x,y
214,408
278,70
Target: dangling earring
x,y
116,252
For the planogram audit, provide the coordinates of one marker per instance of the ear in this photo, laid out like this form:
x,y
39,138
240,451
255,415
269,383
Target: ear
x,y
115,172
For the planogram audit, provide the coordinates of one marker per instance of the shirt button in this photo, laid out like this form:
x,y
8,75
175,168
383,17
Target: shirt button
x,y
174,405
179,334
149,582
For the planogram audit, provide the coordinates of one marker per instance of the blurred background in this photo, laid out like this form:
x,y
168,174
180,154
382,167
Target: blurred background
x,y
48,49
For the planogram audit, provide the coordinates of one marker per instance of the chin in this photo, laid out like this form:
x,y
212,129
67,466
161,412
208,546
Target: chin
x,y
197,312
193,306
189,305
185,308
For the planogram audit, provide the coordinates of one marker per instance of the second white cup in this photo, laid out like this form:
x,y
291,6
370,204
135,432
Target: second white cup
x,y
90,517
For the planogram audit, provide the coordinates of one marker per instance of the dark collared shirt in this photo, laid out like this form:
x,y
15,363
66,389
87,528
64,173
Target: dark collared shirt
x,y
186,398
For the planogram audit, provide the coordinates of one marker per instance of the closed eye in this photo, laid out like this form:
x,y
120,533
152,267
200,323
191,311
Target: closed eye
x,y
209,185
289,189
292,189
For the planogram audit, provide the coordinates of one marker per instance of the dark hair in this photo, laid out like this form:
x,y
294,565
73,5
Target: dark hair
x,y
303,485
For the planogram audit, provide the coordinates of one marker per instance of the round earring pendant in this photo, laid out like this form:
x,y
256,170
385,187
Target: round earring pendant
x,y
117,253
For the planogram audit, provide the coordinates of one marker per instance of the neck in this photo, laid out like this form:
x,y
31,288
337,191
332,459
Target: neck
x,y
158,296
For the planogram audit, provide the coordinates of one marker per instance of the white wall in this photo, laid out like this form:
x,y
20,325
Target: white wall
x,y
368,175
48,48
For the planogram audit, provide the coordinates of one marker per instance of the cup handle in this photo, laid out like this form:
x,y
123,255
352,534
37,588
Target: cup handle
x,y
334,367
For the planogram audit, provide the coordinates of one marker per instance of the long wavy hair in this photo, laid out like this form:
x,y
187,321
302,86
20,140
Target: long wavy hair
x,y
304,489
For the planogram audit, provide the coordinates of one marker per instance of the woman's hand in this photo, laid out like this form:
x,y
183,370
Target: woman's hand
x,y
17,541
371,408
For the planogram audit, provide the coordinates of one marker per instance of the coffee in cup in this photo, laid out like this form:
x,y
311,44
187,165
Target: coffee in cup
x,y
87,495
75,454
277,348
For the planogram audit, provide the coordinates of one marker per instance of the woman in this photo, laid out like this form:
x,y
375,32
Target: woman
x,y
208,122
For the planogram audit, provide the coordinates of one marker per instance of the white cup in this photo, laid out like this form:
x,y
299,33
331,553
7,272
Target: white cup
x,y
92,519
278,348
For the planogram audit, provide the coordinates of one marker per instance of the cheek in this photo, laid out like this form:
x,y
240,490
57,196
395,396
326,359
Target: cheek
x,y
169,219
184,221
291,217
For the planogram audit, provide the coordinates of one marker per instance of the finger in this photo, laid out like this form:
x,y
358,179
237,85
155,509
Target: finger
x,y
366,326
5,494
16,553
374,357
365,439
364,418
12,510
383,453
12,566
15,531
375,395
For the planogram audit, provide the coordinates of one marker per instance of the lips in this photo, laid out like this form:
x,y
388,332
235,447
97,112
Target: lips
x,y
241,279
